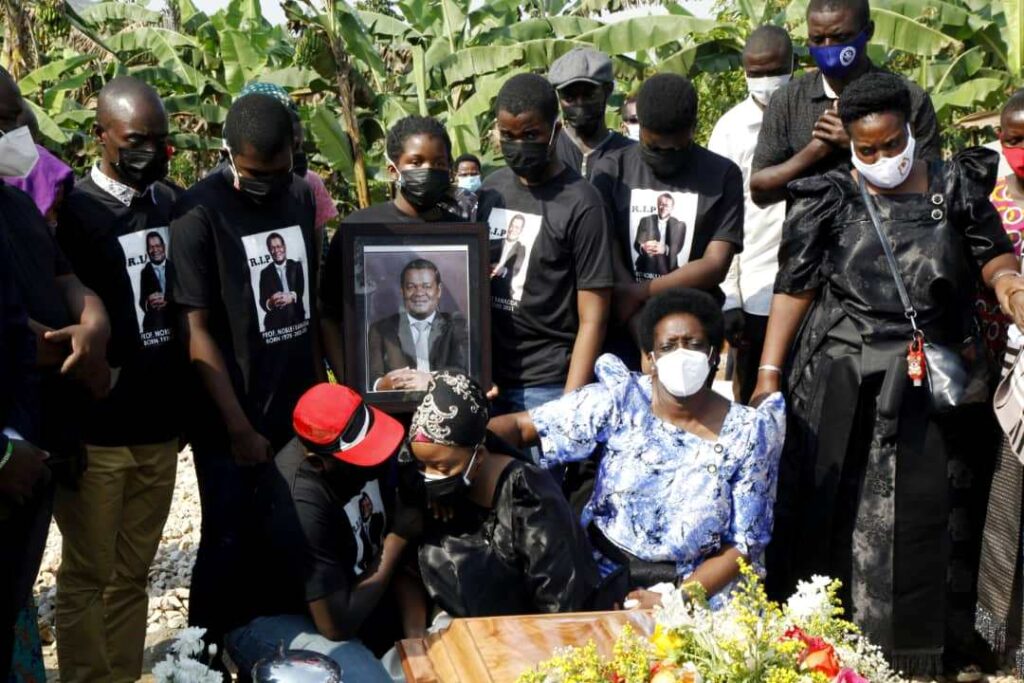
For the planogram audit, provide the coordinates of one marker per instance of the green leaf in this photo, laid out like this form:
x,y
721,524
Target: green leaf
x,y
384,25
331,140
81,119
193,142
470,63
419,75
969,95
1013,36
357,40
897,32
292,78
954,20
34,80
163,44
47,126
242,62
120,12
643,33
962,68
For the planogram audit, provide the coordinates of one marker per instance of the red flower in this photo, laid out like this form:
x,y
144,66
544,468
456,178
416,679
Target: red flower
x,y
849,676
821,658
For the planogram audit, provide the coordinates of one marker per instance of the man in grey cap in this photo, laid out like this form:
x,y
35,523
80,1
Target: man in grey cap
x,y
584,81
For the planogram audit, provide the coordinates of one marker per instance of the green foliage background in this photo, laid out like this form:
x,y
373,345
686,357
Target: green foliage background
x,y
356,68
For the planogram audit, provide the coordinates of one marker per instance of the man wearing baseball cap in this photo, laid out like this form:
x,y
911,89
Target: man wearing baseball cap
x,y
330,545
584,80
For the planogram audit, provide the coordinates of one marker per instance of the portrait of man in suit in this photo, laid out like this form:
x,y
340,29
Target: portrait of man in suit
x,y
282,284
659,239
153,284
371,530
404,348
512,260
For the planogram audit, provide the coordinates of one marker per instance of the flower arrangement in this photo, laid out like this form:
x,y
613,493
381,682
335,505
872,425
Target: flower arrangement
x,y
181,666
750,640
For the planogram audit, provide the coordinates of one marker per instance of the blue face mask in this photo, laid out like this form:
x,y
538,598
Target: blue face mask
x,y
837,61
471,183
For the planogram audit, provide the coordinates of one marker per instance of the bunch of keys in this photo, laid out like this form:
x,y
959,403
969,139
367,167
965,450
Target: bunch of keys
x,y
915,359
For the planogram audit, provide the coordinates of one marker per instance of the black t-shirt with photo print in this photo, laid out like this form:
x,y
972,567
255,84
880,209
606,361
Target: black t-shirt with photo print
x,y
333,276
253,266
120,252
547,243
663,223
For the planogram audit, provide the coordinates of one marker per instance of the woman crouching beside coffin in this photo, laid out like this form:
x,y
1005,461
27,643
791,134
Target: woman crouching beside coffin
x,y
686,484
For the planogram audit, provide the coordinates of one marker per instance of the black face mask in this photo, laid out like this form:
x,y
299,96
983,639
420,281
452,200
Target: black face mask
x,y
141,167
424,187
449,489
527,160
263,189
300,163
584,118
665,162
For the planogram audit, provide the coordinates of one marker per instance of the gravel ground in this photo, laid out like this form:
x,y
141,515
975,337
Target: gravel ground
x,y
169,577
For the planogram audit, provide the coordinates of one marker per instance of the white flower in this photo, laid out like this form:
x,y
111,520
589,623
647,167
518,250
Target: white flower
x,y
810,600
163,671
189,642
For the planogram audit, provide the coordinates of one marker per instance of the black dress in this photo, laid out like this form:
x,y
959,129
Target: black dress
x,y
525,555
873,488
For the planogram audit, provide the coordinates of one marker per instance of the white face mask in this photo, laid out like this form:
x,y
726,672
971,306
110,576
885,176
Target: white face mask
x,y
887,172
683,372
762,88
18,153
470,183
633,131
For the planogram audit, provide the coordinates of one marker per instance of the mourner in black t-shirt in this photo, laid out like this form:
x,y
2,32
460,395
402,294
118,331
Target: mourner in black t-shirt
x,y
420,163
242,245
551,271
330,539
677,208
114,228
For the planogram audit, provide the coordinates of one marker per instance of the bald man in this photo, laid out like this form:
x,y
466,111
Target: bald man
x,y
114,229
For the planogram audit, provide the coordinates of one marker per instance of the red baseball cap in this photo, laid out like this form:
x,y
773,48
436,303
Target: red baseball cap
x,y
331,419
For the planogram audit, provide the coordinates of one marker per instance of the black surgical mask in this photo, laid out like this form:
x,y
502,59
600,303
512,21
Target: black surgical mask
x,y
424,187
527,160
584,118
450,488
262,189
141,167
300,163
664,162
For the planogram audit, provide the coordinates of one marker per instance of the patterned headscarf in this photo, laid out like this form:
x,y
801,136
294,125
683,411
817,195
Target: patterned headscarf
x,y
271,90
453,413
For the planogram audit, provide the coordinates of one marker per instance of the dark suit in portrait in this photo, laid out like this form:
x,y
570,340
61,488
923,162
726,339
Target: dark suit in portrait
x,y
371,533
153,318
390,344
647,231
270,284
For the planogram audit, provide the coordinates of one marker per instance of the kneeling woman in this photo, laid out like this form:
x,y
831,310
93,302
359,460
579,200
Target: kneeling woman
x,y
504,540
686,483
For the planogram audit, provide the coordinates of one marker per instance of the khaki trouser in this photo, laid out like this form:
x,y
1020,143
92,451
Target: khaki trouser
x,y
111,528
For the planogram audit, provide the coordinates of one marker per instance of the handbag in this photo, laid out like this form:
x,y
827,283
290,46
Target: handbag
x,y
956,375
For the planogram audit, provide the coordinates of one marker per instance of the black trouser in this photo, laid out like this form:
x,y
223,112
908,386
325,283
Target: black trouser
x,y
23,531
748,356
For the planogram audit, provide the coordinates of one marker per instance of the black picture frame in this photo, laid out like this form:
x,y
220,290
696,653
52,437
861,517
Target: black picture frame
x,y
371,260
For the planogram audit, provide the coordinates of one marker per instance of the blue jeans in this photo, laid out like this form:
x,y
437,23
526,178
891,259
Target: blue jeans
x,y
518,399
260,639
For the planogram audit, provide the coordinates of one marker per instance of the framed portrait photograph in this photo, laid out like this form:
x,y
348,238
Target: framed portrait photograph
x,y
416,300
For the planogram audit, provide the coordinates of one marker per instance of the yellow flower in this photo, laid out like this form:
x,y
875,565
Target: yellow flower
x,y
665,642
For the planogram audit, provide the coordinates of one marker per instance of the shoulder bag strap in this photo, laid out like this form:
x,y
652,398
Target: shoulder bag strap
x,y
869,202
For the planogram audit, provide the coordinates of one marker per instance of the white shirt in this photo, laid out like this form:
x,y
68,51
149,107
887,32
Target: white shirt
x,y
429,320
662,231
116,189
751,277
161,274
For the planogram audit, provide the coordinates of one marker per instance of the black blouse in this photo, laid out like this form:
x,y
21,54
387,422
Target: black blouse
x,y
525,555
941,239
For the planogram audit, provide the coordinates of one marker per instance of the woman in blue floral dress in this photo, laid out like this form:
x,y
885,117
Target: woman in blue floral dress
x,y
686,484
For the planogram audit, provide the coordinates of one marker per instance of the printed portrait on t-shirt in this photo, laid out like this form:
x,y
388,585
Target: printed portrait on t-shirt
x,y
417,299
517,232
280,282
148,269
367,519
660,231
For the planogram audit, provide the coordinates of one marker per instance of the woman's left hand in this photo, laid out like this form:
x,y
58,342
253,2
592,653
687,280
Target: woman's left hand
x,y
646,599
1008,292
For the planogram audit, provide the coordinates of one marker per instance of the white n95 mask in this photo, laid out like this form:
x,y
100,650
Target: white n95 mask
x,y
18,153
683,372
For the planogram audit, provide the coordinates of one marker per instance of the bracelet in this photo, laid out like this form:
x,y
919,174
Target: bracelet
x,y
770,368
1000,275
7,453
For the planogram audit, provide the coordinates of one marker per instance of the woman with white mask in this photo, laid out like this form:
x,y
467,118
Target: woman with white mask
x,y
874,306
686,481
